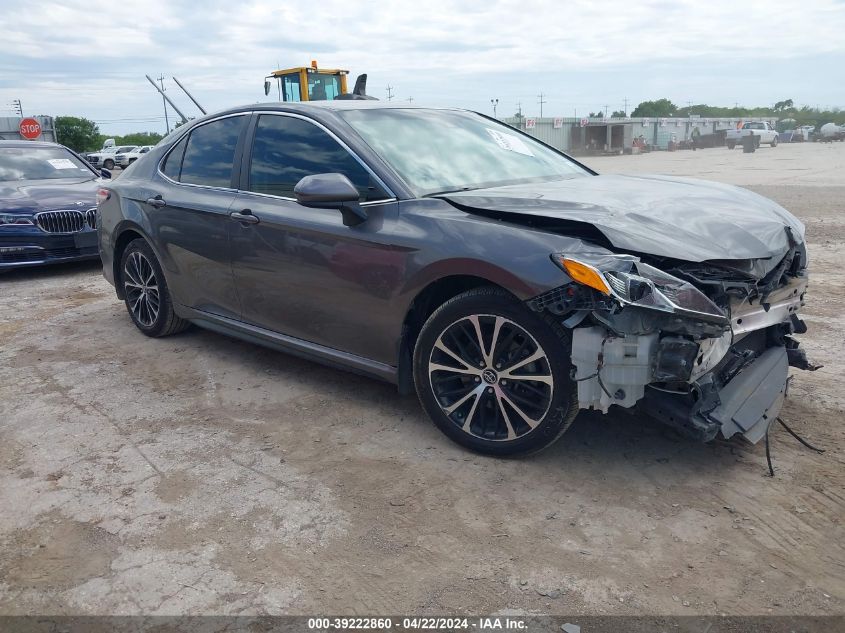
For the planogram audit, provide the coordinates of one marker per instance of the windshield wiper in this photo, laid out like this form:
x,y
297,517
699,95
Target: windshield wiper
x,y
458,190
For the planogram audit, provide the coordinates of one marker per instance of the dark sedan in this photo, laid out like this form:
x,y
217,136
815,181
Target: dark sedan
x,y
438,249
48,211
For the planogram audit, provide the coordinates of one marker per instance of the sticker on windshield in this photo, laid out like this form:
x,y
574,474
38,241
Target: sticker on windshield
x,y
510,142
61,163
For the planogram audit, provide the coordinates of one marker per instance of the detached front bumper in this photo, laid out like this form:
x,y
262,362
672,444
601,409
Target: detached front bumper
x,y
702,386
746,404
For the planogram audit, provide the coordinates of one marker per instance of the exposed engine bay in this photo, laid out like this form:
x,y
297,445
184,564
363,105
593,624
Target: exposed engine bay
x,y
704,347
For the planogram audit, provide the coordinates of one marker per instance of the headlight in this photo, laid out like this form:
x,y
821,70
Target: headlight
x,y
631,282
15,218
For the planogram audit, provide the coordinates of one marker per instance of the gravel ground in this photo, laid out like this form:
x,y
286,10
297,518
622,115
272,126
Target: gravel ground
x,y
198,474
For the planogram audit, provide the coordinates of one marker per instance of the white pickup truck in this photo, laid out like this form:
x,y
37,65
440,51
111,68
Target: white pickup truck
x,y
766,134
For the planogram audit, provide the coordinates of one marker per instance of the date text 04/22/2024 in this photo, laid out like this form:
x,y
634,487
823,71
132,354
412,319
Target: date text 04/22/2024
x,y
417,623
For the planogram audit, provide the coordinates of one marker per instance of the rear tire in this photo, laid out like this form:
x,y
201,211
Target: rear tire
x,y
146,294
108,164
494,376
731,145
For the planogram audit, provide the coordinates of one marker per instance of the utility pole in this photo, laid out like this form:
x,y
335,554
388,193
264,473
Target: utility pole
x,y
389,92
494,103
410,99
190,96
519,109
167,100
625,101
541,101
164,102
606,113
17,105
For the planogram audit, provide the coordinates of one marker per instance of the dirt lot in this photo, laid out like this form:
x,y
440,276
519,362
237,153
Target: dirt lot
x,y
198,474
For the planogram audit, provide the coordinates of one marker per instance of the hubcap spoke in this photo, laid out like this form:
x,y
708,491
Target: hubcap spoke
x,y
544,378
475,392
525,361
442,347
511,433
468,423
528,419
470,371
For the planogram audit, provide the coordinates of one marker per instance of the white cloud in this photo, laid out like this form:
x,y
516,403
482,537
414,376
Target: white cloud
x,y
82,54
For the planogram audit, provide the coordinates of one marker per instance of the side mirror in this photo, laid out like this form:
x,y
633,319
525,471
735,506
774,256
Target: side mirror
x,y
266,88
105,174
331,191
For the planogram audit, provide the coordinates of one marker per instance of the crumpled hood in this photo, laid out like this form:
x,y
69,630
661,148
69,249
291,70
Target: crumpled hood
x,y
32,196
680,218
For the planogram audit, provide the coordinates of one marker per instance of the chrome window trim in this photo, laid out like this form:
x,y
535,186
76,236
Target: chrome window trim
x,y
369,203
391,194
179,140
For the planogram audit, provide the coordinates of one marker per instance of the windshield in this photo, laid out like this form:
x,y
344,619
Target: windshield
x,y
436,151
323,87
40,163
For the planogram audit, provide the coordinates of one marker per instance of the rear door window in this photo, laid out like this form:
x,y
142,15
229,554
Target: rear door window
x,y
286,149
173,163
210,153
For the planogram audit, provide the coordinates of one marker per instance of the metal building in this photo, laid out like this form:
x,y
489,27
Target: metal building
x,y
618,135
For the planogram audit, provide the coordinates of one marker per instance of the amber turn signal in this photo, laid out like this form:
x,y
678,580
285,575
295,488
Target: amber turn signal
x,y
585,275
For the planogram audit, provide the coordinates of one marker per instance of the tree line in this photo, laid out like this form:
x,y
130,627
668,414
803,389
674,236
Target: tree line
x,y
786,109
83,135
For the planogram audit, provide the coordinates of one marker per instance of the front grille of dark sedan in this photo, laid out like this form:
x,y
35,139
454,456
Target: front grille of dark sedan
x,y
60,221
91,218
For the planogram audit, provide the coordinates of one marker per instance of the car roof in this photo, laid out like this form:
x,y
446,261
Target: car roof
x,y
14,143
317,107
349,104
318,110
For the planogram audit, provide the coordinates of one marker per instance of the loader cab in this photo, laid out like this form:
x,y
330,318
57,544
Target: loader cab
x,y
307,83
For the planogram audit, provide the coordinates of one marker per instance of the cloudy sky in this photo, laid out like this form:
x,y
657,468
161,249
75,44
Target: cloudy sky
x,y
89,57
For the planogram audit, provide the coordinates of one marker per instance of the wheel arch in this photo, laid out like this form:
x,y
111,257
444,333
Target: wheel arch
x,y
426,301
126,234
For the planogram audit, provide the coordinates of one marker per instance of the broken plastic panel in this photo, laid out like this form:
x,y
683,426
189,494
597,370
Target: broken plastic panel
x,y
633,282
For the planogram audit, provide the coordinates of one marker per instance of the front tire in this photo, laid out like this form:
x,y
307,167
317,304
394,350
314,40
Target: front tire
x,y
108,164
494,376
145,292
731,145
774,142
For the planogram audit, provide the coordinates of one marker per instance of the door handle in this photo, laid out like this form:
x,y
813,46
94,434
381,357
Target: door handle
x,y
244,217
157,202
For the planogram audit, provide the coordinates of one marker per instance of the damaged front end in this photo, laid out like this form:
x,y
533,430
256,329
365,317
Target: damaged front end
x,y
703,347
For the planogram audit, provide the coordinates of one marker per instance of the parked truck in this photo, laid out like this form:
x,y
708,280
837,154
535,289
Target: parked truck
x,y
765,132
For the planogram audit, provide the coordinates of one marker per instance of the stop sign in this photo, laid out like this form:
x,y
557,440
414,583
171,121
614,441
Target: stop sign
x,y
30,128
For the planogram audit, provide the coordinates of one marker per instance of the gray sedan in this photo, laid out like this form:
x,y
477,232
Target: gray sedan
x,y
440,250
